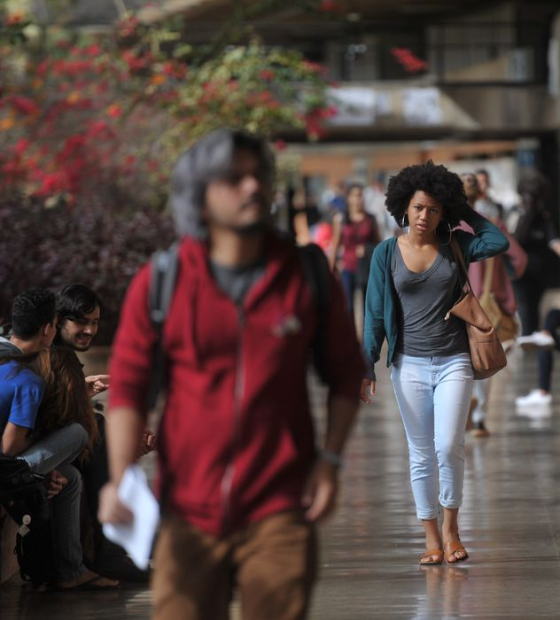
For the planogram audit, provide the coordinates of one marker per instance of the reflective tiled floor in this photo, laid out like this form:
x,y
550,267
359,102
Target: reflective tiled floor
x,y
510,524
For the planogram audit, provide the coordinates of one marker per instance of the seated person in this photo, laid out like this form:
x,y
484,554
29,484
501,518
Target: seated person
x,y
78,310
49,454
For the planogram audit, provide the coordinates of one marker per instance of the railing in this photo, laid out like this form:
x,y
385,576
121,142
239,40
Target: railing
x,y
445,52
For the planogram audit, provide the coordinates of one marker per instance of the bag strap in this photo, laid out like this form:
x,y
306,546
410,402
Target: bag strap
x,y
488,273
461,262
165,267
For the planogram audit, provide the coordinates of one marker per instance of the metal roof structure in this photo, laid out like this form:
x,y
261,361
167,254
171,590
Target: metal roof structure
x,y
105,12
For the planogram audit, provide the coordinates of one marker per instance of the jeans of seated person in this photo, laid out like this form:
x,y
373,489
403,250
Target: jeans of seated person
x,y
56,451
95,474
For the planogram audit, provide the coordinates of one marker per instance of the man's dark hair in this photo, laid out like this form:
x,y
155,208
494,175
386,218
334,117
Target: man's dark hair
x,y
535,184
484,172
210,159
31,311
75,301
441,184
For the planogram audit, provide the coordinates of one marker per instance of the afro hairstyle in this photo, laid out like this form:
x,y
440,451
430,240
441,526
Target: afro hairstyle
x,y
441,184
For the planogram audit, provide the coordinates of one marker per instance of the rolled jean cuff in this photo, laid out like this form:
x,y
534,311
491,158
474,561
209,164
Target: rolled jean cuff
x,y
452,505
426,516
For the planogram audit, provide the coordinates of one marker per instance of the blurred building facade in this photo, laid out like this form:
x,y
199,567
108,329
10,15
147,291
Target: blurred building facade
x,y
463,81
468,83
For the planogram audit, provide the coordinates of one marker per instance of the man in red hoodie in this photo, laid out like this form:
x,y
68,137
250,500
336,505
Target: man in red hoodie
x,y
244,483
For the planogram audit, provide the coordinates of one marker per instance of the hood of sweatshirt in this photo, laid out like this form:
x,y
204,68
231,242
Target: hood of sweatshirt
x,y
7,349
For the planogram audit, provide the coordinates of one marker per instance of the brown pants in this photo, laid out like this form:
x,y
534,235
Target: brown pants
x,y
273,562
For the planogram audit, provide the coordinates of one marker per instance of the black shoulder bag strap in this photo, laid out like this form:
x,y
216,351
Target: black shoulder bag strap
x,y
165,267
317,275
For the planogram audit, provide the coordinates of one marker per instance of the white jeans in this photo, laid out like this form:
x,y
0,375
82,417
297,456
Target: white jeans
x,y
434,394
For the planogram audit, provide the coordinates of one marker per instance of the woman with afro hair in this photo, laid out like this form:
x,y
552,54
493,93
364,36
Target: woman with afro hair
x,y
413,283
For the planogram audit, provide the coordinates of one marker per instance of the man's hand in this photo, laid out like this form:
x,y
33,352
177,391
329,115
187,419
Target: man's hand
x,y
321,491
111,509
55,482
96,384
367,391
148,443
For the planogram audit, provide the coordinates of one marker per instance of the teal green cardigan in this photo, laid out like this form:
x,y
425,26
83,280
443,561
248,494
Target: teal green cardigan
x,y
381,307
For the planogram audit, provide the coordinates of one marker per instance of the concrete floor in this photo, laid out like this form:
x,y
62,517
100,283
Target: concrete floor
x,y
510,523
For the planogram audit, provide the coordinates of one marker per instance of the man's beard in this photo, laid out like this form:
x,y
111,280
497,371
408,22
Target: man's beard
x,y
256,228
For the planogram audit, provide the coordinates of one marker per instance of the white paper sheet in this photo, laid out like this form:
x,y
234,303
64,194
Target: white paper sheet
x,y
137,538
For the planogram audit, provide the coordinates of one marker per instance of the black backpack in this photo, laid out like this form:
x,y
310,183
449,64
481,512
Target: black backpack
x,y
24,498
165,267
16,478
34,540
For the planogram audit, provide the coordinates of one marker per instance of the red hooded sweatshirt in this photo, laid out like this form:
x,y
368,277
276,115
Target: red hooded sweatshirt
x,y
237,435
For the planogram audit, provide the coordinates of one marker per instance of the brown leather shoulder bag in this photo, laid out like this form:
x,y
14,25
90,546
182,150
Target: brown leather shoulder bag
x,y
487,353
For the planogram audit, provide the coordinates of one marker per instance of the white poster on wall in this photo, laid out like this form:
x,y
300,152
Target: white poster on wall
x,y
355,105
422,106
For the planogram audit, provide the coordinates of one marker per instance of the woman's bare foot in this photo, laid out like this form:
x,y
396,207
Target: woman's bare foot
x,y
454,550
433,542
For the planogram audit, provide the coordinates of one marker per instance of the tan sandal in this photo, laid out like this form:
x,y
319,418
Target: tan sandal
x,y
430,553
451,549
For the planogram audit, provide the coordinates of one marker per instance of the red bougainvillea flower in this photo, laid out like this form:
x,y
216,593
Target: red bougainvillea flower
x,y
53,183
127,26
100,129
280,145
114,110
21,146
63,44
93,50
267,74
329,6
15,19
24,105
313,67
410,62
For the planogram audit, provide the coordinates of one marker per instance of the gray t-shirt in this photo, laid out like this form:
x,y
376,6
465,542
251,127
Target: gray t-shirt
x,y
235,282
423,301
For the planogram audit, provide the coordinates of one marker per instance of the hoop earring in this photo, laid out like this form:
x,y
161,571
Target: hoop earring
x,y
450,234
403,223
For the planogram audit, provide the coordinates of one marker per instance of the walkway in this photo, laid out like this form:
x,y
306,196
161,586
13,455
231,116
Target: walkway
x,y
510,523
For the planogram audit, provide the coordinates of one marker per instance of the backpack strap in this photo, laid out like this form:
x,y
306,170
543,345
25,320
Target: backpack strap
x,y
317,275
165,267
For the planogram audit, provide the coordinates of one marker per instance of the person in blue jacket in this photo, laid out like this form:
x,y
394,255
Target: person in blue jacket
x,y
413,283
